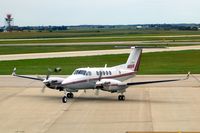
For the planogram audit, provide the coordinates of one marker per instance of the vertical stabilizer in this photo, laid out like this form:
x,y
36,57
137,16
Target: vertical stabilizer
x,y
134,58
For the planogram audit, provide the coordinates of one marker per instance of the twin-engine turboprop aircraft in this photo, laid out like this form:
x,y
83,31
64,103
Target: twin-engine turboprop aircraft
x,y
108,79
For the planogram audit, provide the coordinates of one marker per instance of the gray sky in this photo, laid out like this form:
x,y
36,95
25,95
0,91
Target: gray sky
x,y
75,12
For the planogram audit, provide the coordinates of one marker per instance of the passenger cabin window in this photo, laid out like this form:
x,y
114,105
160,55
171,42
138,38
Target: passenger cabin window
x,y
97,72
103,73
100,72
106,72
110,73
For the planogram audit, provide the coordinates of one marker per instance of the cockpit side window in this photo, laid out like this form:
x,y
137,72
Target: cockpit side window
x,y
88,73
80,72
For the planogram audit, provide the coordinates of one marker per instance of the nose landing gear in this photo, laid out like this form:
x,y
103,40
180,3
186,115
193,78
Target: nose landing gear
x,y
67,95
64,99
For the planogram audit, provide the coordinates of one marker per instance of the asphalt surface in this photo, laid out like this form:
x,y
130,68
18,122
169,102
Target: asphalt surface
x,y
157,107
88,53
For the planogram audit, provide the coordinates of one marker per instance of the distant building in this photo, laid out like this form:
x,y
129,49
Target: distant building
x,y
139,27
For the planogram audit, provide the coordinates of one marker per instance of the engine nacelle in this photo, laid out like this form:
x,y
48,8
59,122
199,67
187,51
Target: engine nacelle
x,y
54,83
110,85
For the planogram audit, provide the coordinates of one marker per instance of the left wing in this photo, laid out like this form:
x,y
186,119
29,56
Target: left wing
x,y
158,81
27,77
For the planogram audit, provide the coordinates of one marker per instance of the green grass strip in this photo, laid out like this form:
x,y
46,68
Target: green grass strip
x,y
152,63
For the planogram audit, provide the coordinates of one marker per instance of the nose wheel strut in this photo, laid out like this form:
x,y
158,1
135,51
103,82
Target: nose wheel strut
x,y
64,99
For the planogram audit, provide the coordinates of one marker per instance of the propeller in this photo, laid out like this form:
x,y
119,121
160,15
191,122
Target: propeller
x,y
46,81
43,89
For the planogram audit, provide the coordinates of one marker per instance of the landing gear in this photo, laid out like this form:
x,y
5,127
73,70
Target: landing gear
x,y
67,95
121,97
64,99
70,95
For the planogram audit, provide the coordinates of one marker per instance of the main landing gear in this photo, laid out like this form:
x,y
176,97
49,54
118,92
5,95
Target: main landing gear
x,y
67,95
121,97
70,95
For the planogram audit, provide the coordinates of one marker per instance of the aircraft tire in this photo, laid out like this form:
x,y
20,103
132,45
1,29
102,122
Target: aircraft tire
x,y
70,95
121,97
64,99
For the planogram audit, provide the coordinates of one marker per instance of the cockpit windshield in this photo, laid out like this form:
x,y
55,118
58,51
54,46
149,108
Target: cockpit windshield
x,y
80,72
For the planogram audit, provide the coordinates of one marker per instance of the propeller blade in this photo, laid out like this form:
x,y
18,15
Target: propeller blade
x,y
39,77
48,73
43,89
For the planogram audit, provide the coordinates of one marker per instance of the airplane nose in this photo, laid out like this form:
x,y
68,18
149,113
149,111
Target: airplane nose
x,y
64,82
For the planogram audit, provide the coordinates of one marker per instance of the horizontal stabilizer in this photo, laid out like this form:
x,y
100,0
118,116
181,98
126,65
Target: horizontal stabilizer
x,y
140,47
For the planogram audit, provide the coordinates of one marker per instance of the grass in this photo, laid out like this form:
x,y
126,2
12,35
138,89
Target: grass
x,y
179,62
106,35
93,33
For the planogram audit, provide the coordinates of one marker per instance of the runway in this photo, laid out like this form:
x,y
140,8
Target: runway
x,y
88,53
158,107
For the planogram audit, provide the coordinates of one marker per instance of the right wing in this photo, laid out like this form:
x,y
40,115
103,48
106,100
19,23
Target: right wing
x,y
158,81
27,77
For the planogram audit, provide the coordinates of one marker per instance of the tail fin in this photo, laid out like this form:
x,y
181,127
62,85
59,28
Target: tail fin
x,y
134,58
133,62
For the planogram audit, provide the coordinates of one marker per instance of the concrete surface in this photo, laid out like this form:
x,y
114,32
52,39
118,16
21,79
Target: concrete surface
x,y
89,53
156,107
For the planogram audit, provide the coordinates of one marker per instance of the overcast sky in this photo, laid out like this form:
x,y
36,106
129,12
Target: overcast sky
x,y
76,12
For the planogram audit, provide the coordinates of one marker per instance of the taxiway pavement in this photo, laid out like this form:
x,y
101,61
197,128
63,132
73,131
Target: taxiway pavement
x,y
88,53
156,107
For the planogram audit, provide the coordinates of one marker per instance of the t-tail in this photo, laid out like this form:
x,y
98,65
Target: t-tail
x,y
134,59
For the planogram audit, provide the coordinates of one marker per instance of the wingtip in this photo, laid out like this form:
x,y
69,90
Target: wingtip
x,y
188,75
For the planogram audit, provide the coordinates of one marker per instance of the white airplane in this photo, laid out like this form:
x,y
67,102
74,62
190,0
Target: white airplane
x,y
108,79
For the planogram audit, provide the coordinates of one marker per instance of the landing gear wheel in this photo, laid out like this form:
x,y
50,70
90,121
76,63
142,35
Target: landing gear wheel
x,y
70,95
121,97
64,99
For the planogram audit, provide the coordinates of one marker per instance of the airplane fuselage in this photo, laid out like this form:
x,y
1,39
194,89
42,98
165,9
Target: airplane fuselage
x,y
86,78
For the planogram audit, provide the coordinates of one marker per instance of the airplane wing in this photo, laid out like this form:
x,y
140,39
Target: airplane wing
x,y
158,81
27,77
